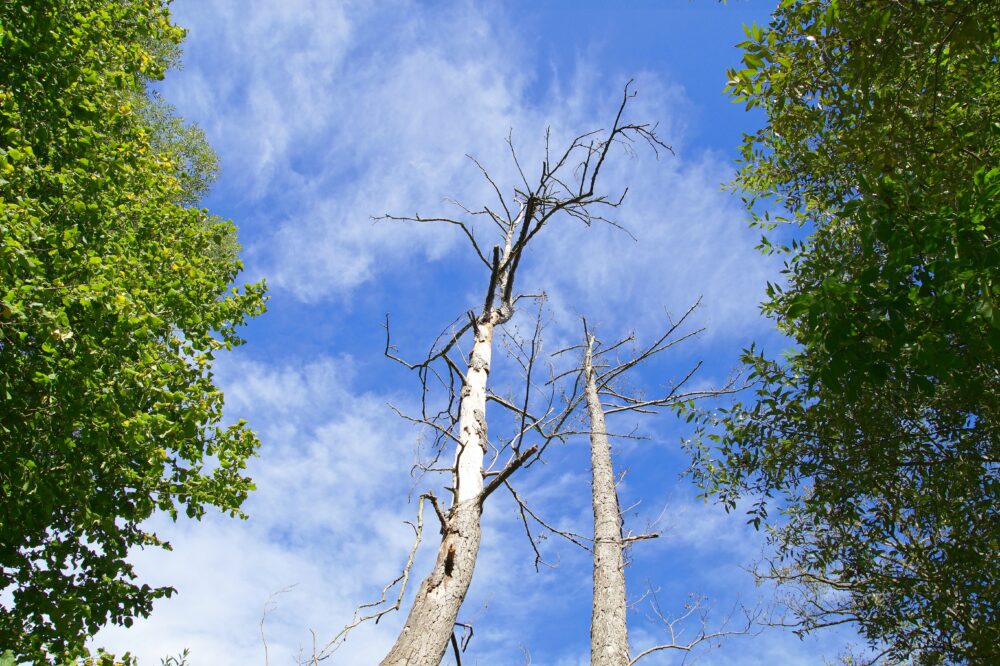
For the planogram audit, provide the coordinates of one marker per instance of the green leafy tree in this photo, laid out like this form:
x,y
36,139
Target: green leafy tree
x,y
878,435
114,299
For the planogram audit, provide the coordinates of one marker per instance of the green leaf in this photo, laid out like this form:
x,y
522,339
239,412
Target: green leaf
x,y
97,335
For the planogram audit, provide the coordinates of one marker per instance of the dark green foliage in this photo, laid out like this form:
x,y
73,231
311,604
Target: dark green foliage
x,y
879,434
114,298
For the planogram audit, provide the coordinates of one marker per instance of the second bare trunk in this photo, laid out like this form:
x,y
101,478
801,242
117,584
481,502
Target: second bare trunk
x,y
608,631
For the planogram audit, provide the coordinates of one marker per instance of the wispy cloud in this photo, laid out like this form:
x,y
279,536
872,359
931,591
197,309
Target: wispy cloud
x,y
327,114
327,518
324,115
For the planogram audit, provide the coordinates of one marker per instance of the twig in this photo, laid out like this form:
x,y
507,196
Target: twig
x,y
703,635
269,605
572,537
403,578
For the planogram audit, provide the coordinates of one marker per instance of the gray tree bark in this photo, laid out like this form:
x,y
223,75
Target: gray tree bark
x,y
429,625
608,630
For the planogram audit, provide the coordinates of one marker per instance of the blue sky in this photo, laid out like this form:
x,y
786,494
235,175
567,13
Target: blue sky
x,y
325,114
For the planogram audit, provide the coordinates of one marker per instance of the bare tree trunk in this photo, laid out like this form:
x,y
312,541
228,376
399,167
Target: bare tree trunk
x,y
429,625
608,630
431,621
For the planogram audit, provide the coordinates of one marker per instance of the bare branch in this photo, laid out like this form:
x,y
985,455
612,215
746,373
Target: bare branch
x,y
556,378
568,349
522,512
514,258
270,604
496,188
640,537
572,537
446,220
425,422
442,518
535,343
702,635
402,579
468,633
433,356
661,344
673,399
571,433
454,647
513,155
505,473
607,350
525,427
494,273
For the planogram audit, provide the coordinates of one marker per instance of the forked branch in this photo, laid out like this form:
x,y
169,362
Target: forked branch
x,y
675,629
674,396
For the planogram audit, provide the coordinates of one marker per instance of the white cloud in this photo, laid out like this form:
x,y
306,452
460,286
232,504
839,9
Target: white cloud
x,y
329,113
325,114
327,517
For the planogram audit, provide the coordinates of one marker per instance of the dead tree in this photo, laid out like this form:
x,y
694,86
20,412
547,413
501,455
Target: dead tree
x,y
608,629
565,188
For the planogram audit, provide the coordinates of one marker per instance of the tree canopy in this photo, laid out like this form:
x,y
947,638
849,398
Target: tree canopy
x,y
879,432
115,297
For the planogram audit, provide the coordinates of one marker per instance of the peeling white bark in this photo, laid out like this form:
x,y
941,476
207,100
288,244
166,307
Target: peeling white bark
x,y
608,630
472,417
429,625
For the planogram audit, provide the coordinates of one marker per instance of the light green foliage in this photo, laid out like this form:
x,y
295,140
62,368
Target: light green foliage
x,y
114,299
879,434
179,660
193,160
